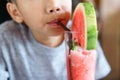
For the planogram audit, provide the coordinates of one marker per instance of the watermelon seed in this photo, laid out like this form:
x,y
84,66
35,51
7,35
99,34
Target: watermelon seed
x,y
74,38
79,44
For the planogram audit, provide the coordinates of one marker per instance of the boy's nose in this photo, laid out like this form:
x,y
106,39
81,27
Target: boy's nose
x,y
53,10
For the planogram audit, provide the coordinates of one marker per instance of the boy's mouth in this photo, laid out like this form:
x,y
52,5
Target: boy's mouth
x,y
54,23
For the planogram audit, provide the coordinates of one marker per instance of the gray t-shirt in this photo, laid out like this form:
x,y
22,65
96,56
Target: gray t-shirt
x,y
23,58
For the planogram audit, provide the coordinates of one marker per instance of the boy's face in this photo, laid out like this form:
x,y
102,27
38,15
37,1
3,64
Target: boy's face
x,y
41,16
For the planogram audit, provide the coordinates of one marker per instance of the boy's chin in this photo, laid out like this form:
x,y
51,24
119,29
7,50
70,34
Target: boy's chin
x,y
61,33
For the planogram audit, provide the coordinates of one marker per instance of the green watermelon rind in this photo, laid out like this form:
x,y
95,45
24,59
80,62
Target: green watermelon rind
x,y
91,24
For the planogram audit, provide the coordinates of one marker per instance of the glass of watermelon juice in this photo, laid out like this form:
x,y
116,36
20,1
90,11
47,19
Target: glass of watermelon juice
x,y
80,62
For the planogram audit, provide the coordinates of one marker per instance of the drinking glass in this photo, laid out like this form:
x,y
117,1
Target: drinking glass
x,y
80,62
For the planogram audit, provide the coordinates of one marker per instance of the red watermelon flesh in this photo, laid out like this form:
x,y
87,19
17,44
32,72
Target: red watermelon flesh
x,y
78,26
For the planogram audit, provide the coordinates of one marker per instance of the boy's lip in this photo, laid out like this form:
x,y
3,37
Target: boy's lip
x,y
54,22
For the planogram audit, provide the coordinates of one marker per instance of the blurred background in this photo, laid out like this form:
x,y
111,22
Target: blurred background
x,y
108,19
110,35
3,12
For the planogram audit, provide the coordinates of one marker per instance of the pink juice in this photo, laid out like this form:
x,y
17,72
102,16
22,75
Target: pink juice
x,y
81,65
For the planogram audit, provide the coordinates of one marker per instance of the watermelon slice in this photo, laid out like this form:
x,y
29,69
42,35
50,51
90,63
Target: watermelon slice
x,y
84,22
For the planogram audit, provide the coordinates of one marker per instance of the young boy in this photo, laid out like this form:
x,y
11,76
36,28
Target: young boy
x,y
32,44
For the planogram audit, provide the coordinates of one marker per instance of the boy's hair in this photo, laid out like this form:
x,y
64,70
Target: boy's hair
x,y
10,0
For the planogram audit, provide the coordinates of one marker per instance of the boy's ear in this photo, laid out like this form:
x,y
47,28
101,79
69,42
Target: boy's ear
x,y
14,12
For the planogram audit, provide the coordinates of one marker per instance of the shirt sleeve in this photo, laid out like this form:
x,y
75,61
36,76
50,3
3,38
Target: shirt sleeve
x,y
3,72
102,66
